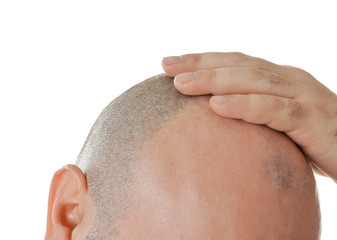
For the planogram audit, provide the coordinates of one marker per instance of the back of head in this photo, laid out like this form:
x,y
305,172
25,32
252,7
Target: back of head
x,y
152,115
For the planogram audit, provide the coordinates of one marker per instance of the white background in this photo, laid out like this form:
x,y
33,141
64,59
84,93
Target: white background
x,y
62,62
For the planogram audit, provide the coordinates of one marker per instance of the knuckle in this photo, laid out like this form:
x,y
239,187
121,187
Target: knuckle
x,y
294,69
260,61
299,72
255,74
276,104
237,54
296,110
230,74
237,57
194,59
278,79
211,81
212,74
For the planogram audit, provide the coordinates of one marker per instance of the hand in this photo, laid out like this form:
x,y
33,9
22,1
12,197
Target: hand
x,y
285,98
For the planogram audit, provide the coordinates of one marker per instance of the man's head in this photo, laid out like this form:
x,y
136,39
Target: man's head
x,y
162,165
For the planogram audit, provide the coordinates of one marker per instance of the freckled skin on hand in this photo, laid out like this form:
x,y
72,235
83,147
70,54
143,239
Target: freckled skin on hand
x,y
278,79
296,110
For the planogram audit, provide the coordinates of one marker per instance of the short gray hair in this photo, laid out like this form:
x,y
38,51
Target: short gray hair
x,y
114,140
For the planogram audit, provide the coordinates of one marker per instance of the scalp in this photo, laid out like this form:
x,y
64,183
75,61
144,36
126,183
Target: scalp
x,y
285,164
142,112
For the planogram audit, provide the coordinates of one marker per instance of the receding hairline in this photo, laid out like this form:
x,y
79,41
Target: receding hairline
x,y
142,110
119,132
116,137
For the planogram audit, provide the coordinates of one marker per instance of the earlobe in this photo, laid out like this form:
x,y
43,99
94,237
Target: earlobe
x,y
70,204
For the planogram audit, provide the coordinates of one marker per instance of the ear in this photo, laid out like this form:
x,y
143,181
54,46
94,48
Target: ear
x,y
70,206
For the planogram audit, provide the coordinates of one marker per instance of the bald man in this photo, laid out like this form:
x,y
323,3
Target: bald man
x,y
158,164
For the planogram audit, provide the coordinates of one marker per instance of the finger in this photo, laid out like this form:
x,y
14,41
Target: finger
x,y
224,81
281,114
211,60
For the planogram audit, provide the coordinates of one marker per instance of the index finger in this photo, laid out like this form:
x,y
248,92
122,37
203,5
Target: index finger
x,y
211,60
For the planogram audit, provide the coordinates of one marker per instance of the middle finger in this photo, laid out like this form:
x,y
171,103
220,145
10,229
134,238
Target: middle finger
x,y
236,81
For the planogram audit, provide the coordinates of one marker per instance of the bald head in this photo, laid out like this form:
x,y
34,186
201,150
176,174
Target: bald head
x,y
162,165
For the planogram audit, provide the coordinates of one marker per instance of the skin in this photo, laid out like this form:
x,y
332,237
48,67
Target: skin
x,y
70,206
190,187
207,177
284,98
203,177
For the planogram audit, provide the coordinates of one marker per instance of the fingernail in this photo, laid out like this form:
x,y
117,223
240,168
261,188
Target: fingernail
x,y
220,99
168,61
186,77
